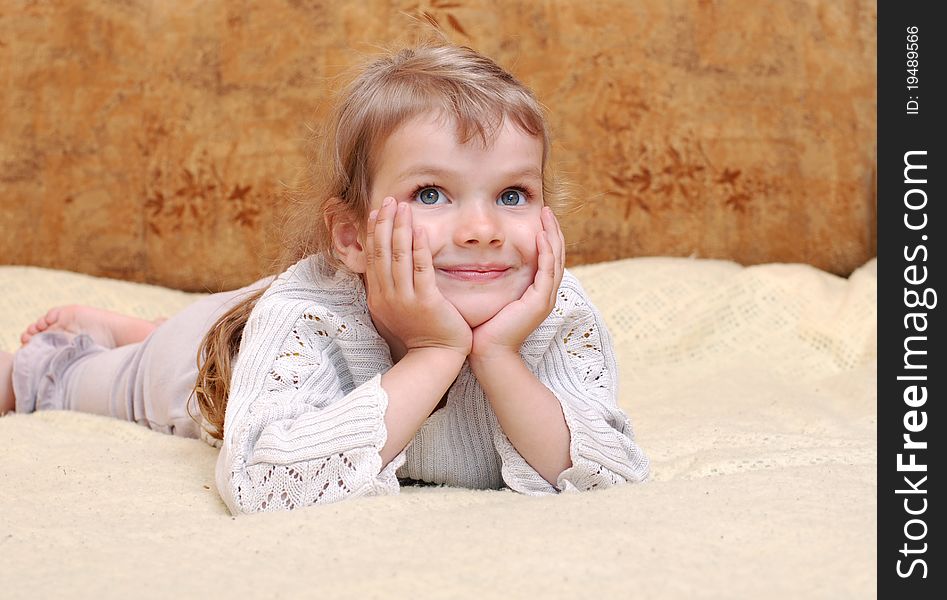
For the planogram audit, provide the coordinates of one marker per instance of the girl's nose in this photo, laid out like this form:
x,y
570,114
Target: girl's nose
x,y
477,225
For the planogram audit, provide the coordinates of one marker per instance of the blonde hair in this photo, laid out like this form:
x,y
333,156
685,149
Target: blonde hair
x,y
433,76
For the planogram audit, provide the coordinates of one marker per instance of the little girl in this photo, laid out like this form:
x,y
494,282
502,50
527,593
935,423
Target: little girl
x,y
426,329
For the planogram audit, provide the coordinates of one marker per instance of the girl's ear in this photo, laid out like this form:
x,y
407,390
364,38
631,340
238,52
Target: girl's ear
x,y
344,232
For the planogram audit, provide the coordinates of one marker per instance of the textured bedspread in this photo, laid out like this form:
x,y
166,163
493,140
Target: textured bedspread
x,y
752,390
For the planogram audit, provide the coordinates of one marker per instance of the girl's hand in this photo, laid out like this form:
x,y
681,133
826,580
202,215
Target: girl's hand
x,y
402,293
502,336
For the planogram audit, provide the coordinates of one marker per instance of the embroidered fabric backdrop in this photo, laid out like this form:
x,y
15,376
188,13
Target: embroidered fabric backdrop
x,y
153,141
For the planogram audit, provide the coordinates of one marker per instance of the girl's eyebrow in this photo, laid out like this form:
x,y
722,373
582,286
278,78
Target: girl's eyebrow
x,y
524,172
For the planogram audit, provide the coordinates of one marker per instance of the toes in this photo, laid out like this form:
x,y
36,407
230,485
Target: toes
x,y
26,335
42,324
48,319
53,315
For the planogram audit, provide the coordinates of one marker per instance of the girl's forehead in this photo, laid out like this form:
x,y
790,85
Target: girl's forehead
x,y
447,126
430,145
432,134
428,149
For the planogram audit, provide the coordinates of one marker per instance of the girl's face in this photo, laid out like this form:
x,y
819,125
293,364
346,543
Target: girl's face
x,y
480,208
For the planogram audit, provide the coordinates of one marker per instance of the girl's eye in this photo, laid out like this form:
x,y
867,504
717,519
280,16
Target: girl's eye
x,y
427,195
513,197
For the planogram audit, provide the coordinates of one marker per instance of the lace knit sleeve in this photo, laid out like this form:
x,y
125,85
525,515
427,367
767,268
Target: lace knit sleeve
x,y
572,355
298,431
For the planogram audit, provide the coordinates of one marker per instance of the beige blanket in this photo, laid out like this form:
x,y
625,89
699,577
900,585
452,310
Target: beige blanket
x,y
752,389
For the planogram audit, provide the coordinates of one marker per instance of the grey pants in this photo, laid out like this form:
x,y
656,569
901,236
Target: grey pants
x,y
150,382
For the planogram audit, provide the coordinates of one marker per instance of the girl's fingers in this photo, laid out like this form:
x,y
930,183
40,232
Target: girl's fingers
x,y
370,279
424,283
562,245
381,252
546,273
542,287
557,246
554,235
402,263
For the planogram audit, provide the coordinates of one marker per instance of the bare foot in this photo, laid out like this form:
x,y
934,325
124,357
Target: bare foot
x,y
6,383
107,328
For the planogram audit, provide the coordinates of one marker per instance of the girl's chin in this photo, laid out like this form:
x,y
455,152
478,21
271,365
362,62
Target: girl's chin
x,y
478,317
478,308
477,314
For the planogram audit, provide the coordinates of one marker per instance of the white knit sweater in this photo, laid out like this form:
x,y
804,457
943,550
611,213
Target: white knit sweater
x,y
305,417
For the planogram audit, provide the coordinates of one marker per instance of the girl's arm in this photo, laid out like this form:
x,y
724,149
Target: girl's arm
x,y
310,418
527,411
299,430
415,385
570,356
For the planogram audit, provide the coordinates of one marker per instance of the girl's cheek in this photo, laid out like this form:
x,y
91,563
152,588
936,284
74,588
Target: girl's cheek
x,y
529,237
419,221
530,228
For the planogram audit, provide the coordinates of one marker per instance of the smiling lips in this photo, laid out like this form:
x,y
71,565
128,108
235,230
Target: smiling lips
x,y
475,272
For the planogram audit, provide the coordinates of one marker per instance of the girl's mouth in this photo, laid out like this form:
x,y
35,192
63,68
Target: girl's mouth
x,y
471,273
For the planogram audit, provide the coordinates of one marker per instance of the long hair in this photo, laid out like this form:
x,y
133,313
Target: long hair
x,y
433,76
